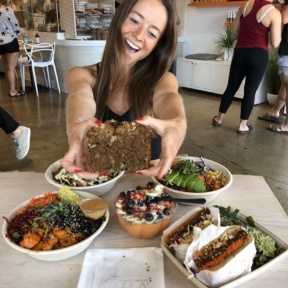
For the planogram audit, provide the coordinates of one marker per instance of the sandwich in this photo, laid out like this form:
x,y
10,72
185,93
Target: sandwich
x,y
219,255
183,234
219,251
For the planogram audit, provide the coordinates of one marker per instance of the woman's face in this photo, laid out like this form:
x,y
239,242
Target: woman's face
x,y
143,28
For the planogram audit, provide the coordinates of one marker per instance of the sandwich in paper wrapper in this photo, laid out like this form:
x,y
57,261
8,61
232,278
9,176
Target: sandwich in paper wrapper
x,y
219,255
179,235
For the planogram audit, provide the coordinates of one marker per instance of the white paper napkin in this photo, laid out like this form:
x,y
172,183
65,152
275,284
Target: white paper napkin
x,y
123,268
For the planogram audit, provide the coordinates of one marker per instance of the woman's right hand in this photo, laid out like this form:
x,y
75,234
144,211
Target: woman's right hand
x,y
77,158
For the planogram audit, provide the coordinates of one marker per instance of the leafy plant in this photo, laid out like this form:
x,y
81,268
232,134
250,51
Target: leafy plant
x,y
225,40
272,77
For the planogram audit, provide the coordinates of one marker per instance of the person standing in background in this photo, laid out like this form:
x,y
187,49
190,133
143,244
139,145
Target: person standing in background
x,y
274,114
9,46
20,134
253,22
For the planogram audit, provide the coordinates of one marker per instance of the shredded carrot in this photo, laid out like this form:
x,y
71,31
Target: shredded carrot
x,y
44,200
229,251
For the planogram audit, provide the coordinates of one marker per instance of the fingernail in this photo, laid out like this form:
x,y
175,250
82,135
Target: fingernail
x,y
98,122
139,173
139,119
77,170
104,174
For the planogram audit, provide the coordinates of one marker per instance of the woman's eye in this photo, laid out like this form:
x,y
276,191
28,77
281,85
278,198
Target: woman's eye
x,y
151,34
134,21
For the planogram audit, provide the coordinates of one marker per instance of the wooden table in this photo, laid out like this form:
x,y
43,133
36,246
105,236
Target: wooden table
x,y
250,194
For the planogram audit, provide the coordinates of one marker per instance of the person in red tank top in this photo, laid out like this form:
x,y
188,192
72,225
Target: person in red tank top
x,y
257,22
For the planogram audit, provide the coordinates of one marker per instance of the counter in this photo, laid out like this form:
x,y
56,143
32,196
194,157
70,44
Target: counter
x,y
71,53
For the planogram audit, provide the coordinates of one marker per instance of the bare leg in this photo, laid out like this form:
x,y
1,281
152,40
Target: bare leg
x,y
11,60
282,101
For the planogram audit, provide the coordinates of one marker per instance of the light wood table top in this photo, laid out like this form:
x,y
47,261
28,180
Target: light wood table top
x,y
250,194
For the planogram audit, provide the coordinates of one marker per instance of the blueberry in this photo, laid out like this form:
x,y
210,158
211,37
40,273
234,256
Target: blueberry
x,y
151,184
149,217
130,203
166,211
138,187
149,199
122,194
129,192
141,203
129,210
159,215
165,195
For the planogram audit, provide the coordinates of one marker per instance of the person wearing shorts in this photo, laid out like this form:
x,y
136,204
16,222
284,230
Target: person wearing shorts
x,y
273,115
9,46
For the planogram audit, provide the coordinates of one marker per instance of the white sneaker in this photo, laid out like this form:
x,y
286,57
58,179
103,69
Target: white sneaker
x,y
22,142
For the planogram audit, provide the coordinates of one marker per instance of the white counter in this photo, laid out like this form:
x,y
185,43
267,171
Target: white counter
x,y
71,53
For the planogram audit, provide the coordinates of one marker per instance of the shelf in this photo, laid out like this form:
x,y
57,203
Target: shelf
x,y
223,3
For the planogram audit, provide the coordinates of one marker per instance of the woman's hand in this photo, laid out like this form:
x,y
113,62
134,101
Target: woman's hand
x,y
77,158
173,133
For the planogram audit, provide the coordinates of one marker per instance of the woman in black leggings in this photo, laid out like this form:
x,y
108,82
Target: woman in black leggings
x,y
251,27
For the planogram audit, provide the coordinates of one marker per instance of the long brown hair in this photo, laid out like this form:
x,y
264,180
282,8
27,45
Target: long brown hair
x,y
145,74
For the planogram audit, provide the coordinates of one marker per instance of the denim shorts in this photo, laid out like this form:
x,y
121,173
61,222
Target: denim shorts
x,y
283,64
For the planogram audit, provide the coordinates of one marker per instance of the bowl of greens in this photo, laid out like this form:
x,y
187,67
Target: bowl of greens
x,y
196,177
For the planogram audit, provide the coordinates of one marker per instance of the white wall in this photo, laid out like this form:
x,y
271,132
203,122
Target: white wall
x,y
201,25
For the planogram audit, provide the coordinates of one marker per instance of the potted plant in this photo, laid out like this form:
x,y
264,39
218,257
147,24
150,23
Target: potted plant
x,y
272,78
225,42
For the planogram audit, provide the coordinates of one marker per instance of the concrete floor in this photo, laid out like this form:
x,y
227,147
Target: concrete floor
x,y
260,153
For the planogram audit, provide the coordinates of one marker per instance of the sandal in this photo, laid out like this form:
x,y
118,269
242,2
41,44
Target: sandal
x,y
277,129
215,123
19,93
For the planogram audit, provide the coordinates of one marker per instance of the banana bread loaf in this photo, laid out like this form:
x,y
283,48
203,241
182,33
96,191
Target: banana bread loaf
x,y
116,146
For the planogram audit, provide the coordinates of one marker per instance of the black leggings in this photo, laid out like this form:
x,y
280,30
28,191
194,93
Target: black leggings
x,y
250,63
7,122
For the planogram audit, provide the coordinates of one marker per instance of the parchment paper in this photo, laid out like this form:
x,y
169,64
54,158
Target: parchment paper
x,y
123,268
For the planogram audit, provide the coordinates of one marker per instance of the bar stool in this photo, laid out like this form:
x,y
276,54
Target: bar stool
x,y
39,55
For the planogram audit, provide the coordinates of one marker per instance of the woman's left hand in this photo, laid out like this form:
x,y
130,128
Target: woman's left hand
x,y
173,133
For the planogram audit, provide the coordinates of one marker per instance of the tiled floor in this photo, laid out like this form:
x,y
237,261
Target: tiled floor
x,y
260,153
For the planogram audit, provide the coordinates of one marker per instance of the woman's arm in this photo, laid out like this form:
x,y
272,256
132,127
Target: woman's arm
x,y
170,122
80,112
80,102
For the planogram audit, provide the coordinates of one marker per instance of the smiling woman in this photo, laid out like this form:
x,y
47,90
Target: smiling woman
x,y
138,53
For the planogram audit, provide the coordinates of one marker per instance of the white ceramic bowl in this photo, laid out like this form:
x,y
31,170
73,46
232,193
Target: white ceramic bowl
x,y
99,189
209,196
54,255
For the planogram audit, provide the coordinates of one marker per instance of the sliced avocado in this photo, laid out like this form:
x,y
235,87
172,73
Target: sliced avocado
x,y
195,184
170,177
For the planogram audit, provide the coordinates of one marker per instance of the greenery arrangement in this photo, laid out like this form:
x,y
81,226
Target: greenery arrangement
x,y
225,40
272,77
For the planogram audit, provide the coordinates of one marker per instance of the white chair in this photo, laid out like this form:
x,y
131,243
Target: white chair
x,y
38,55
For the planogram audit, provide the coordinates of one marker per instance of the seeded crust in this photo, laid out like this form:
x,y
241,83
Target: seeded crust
x,y
118,146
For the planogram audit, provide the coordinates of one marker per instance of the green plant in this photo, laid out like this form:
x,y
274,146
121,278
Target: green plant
x,y
272,77
225,40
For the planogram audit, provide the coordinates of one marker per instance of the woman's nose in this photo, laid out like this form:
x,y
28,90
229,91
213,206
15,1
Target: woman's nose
x,y
139,33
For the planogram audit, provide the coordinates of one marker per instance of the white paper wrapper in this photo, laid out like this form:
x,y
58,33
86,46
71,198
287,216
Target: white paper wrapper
x,y
119,268
238,266
181,249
